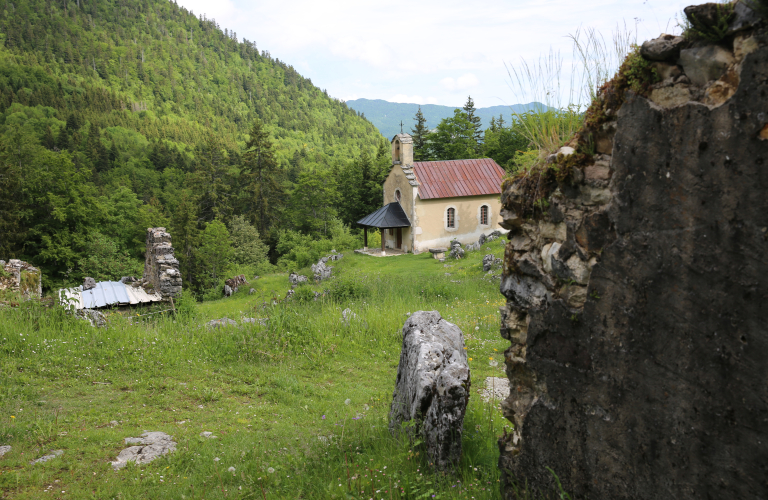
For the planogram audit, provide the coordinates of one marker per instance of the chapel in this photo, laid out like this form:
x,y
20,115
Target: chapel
x,y
428,204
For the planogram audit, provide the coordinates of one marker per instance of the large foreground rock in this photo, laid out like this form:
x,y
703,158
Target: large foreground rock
x,y
432,388
652,385
149,446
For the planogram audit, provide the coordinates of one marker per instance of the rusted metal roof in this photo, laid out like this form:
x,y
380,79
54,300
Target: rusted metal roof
x,y
106,293
453,178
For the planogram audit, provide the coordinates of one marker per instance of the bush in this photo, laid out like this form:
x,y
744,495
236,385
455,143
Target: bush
x,y
186,306
348,287
303,294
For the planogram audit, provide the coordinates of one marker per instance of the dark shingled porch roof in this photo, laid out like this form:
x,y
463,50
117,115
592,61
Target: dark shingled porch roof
x,y
391,215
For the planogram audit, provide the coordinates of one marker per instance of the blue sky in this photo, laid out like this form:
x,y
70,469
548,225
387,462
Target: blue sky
x,y
424,52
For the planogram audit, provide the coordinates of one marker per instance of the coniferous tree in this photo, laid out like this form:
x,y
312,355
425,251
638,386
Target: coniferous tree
x,y
419,134
262,178
475,122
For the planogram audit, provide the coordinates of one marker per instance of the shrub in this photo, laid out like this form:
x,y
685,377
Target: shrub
x,y
348,287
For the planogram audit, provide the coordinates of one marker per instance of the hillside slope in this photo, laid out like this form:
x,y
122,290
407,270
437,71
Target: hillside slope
x,y
153,67
386,116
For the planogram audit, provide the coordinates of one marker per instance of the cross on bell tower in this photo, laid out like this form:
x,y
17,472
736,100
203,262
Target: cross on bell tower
x,y
401,126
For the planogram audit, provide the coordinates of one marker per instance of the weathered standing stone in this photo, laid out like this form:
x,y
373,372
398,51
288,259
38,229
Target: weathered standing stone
x,y
432,388
488,261
151,445
457,252
227,291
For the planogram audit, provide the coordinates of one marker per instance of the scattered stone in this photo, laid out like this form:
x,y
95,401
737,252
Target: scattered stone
x,y
128,279
664,48
227,291
151,446
495,388
295,279
43,459
4,449
432,388
207,435
321,271
220,323
94,317
336,257
347,315
89,283
704,64
235,283
114,423
488,262
261,321
456,251
251,291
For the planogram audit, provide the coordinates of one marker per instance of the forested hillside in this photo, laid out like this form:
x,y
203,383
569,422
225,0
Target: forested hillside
x,y
122,114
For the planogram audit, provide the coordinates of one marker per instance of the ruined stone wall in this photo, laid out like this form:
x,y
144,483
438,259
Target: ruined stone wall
x,y
19,276
636,299
161,268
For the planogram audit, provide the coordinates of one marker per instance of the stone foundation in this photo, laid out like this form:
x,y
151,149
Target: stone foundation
x,y
19,276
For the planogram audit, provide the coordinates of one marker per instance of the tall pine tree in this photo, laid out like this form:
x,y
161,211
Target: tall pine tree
x,y
477,126
419,134
263,178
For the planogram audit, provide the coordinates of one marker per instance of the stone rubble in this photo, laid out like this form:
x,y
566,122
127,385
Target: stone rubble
x,y
457,252
432,387
88,283
150,445
43,459
4,449
296,279
233,284
92,316
220,323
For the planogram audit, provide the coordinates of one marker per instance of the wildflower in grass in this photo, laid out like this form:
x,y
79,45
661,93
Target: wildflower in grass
x,y
271,470
470,359
13,416
323,417
216,459
231,469
346,402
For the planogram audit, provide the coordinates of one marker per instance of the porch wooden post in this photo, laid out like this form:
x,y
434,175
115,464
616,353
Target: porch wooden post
x,y
383,235
365,238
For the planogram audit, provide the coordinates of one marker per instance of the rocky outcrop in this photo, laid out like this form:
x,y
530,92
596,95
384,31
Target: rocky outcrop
x,y
234,284
22,278
296,279
635,303
95,318
457,252
432,388
161,268
149,446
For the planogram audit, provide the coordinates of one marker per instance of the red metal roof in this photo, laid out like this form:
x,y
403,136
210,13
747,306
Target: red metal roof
x,y
449,179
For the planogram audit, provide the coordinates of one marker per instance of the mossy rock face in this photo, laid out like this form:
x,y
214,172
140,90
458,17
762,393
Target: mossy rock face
x,y
30,283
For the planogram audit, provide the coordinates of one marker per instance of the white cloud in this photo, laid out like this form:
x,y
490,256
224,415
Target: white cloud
x,y
437,48
415,99
463,82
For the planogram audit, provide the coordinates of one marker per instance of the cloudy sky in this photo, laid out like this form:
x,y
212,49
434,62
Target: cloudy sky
x,y
432,51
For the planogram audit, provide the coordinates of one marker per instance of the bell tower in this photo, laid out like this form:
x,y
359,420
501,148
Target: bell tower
x,y
402,150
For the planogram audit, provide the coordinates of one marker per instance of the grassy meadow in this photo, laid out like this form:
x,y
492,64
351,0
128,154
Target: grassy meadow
x,y
298,404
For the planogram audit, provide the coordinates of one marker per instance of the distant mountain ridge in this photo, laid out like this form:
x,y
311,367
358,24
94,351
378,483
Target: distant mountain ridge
x,y
387,115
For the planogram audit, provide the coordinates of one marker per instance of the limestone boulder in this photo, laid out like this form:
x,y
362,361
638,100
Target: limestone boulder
x,y
227,291
150,446
296,279
89,283
432,387
664,48
321,271
94,317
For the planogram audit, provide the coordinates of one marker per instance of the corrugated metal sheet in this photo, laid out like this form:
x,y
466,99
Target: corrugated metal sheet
x,y
454,178
390,215
106,293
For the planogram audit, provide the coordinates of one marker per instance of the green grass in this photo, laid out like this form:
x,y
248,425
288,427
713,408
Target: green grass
x,y
275,396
